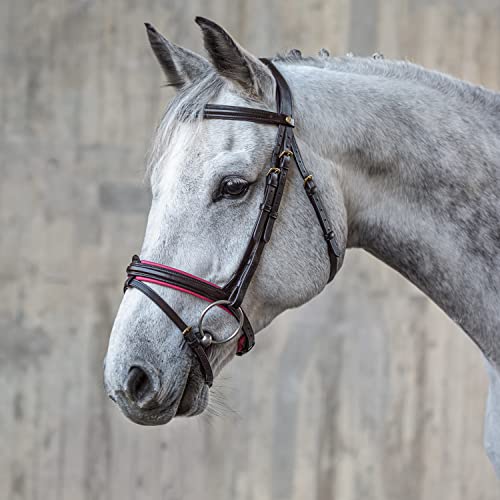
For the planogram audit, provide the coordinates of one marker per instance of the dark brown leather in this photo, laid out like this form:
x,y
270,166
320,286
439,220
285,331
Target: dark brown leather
x,y
285,148
191,337
138,269
239,113
315,199
147,271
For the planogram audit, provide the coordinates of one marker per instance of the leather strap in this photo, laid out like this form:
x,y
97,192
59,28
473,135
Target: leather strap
x,y
183,282
153,296
240,113
193,341
191,337
139,269
315,199
286,147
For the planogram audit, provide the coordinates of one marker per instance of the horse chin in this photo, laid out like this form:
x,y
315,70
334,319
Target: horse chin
x,y
156,416
194,399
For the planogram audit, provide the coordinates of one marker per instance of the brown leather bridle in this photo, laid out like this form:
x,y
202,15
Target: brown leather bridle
x,y
230,296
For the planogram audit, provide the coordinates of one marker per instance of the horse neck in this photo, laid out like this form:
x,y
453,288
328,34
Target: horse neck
x,y
418,164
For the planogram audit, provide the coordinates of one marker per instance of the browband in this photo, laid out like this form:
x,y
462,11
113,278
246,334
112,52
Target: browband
x,y
239,113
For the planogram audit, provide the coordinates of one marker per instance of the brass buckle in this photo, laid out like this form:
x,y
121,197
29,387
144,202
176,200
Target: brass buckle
x,y
307,179
275,170
285,152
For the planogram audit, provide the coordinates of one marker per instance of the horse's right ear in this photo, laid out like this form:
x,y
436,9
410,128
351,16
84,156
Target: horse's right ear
x,y
181,66
235,63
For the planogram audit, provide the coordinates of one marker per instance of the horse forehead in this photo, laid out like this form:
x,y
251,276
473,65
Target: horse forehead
x,y
231,135
201,152
210,137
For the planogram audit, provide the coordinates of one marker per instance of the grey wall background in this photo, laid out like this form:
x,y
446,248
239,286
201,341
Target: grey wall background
x,y
382,399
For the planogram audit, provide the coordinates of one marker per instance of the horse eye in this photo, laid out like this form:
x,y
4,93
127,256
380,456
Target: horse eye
x,y
232,187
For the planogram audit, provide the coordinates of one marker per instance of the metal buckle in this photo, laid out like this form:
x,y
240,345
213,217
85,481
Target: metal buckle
x,y
285,152
206,338
276,170
307,179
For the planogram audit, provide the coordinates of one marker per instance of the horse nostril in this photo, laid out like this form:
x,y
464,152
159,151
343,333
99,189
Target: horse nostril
x,y
140,388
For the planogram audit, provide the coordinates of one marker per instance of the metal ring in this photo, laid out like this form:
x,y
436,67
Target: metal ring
x,y
207,339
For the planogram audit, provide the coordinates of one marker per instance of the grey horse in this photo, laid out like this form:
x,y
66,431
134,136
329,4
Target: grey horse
x,y
409,164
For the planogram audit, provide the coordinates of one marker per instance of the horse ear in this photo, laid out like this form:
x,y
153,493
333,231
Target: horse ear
x,y
181,66
234,63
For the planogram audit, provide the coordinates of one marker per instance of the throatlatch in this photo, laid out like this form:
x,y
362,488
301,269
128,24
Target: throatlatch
x,y
230,296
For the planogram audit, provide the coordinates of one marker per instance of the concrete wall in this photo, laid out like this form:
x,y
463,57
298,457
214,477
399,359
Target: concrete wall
x,y
382,398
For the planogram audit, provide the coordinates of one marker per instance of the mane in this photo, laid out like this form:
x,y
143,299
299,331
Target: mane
x,y
186,106
398,70
188,103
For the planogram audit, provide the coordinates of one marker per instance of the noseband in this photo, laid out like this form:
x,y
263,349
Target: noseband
x,y
230,296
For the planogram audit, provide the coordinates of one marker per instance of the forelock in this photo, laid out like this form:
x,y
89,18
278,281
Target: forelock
x,y
186,107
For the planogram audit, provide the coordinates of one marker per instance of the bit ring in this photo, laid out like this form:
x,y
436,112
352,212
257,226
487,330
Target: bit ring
x,y
206,338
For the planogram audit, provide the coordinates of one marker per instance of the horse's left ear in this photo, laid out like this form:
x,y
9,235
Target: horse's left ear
x,y
236,64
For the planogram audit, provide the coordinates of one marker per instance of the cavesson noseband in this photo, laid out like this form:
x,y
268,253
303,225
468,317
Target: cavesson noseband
x,y
230,296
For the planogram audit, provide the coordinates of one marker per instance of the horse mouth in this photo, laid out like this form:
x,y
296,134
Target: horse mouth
x,y
194,398
191,401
